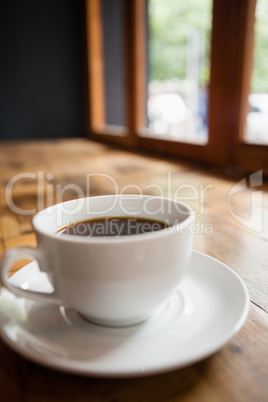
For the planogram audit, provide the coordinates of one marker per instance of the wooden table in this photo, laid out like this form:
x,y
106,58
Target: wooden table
x,y
232,227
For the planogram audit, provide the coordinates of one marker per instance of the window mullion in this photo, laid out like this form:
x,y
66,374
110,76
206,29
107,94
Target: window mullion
x,y
95,65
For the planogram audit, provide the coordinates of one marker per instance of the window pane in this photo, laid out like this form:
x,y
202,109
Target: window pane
x,y
257,118
178,69
113,52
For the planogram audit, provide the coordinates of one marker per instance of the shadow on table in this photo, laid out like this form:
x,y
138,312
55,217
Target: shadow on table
x,y
27,381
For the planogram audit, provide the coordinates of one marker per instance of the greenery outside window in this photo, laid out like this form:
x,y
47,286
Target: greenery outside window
x,y
230,61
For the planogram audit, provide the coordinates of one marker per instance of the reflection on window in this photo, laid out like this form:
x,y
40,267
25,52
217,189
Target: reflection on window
x,y
257,119
178,76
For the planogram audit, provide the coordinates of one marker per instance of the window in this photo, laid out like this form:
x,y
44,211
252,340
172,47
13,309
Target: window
x,y
226,82
257,118
178,69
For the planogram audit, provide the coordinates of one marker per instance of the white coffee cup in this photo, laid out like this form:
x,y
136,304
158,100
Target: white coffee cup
x,y
114,281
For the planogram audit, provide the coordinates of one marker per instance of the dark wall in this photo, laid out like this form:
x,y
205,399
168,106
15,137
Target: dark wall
x,y
43,89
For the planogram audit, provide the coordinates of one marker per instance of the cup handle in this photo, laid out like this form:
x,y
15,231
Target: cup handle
x,y
14,255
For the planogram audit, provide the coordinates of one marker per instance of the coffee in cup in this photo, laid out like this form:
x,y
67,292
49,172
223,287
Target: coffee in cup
x,y
120,276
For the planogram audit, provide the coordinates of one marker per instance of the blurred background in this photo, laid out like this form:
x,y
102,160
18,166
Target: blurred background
x,y
43,69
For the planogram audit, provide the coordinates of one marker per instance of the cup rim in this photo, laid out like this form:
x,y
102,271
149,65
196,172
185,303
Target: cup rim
x,y
177,227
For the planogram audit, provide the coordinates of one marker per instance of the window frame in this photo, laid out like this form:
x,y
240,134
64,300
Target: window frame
x,y
231,45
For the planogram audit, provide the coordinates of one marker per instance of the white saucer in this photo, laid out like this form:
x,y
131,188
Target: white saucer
x,y
210,306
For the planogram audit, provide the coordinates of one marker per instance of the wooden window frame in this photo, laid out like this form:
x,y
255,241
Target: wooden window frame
x,y
231,60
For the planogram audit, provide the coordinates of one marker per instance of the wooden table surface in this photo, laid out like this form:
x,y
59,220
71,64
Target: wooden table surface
x,y
232,227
